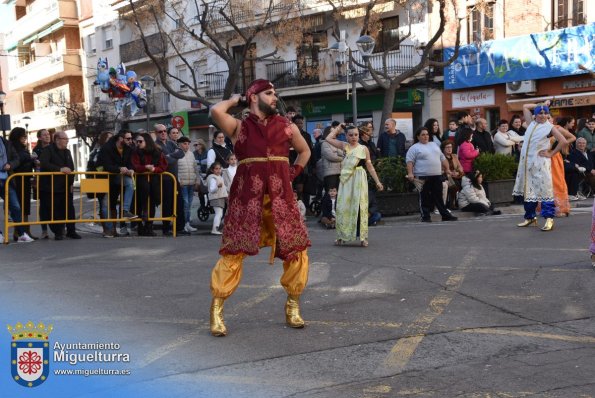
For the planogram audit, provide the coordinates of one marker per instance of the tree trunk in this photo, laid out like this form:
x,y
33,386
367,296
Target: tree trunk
x,y
387,107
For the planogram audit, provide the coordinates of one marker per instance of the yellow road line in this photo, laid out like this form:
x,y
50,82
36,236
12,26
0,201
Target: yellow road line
x,y
388,325
401,353
521,333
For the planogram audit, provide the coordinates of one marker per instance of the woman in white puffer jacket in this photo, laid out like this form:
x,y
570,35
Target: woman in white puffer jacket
x,y
472,196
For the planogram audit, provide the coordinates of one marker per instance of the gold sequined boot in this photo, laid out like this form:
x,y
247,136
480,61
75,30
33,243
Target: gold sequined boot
x,y
292,312
528,222
549,224
217,325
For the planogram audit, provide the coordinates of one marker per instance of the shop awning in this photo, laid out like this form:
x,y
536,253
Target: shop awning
x,y
44,32
558,101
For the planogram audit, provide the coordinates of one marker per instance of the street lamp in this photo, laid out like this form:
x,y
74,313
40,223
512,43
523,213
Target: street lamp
x,y
27,119
365,45
2,98
148,84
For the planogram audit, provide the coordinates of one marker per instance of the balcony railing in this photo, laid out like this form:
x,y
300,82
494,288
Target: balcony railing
x,y
214,84
134,50
397,61
45,69
289,74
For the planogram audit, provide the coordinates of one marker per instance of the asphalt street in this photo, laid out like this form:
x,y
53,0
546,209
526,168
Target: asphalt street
x,y
473,308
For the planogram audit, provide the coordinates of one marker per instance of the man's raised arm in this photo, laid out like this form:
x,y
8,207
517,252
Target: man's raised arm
x,y
227,123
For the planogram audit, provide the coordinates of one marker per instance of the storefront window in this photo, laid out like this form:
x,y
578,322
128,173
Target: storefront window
x,y
493,117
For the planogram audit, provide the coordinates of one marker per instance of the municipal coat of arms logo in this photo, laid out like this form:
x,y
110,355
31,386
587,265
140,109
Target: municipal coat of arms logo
x,y
30,353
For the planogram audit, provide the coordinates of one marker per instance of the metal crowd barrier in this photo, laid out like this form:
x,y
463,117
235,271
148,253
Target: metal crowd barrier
x,y
90,186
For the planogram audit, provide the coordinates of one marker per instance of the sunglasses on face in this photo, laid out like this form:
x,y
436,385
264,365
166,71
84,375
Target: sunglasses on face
x,y
139,141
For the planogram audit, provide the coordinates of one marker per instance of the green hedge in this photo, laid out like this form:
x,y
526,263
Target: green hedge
x,y
496,166
392,172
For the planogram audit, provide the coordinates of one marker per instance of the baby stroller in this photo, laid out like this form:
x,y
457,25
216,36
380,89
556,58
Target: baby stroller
x,y
204,211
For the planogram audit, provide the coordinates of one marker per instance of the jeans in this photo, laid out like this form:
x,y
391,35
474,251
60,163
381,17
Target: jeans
x,y
128,190
187,192
105,211
13,206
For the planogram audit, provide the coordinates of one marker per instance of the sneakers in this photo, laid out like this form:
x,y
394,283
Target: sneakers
x,y
573,198
189,228
44,235
24,238
580,196
215,232
129,215
449,218
124,231
436,211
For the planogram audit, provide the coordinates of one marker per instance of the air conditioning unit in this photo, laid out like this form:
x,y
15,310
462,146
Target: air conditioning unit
x,y
521,87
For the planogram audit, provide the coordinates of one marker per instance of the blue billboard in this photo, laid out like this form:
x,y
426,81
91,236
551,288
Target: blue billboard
x,y
536,56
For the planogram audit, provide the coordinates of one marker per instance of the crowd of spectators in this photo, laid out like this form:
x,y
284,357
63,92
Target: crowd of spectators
x,y
442,172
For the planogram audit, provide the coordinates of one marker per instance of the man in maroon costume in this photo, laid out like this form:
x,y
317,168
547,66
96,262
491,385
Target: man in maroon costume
x,y
262,210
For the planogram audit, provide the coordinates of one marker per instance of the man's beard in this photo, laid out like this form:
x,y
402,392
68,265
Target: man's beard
x,y
266,109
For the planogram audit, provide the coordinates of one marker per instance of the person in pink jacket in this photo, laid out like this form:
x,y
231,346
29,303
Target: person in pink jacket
x,y
467,152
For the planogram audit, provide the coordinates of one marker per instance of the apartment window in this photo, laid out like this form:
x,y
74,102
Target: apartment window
x,y
108,41
480,22
183,76
199,67
388,37
568,13
179,23
92,50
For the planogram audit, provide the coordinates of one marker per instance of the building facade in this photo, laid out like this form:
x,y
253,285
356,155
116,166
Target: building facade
x,y
521,53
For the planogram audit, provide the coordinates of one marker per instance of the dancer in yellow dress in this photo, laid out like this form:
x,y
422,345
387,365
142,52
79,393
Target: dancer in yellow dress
x,y
352,199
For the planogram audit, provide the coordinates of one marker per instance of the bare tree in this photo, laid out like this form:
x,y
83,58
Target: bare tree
x,y
390,80
220,27
89,122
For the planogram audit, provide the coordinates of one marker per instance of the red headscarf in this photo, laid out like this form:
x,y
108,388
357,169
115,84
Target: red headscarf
x,y
258,86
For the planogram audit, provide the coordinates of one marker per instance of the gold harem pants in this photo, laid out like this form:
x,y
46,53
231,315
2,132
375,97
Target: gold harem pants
x,y
227,273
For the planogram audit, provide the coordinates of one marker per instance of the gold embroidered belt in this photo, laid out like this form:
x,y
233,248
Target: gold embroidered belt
x,y
265,159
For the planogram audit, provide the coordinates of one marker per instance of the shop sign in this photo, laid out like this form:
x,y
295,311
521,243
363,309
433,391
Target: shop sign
x,y
569,85
179,120
536,56
471,99
572,101
403,99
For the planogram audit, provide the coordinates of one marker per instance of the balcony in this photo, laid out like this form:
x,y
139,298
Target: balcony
x,y
158,103
44,70
289,74
397,61
49,117
41,14
214,84
135,50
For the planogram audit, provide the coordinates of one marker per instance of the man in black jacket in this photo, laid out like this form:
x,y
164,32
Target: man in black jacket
x,y
114,157
577,166
482,139
57,158
167,141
